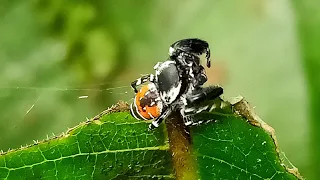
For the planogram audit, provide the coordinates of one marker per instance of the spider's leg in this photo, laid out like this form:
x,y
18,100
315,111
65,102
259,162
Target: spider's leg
x,y
158,121
186,119
189,118
193,123
143,79
188,113
207,93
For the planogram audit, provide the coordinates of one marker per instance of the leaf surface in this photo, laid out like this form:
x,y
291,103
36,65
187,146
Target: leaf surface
x,y
231,148
116,146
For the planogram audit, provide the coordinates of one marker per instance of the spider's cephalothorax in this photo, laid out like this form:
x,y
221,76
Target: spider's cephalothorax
x,y
176,85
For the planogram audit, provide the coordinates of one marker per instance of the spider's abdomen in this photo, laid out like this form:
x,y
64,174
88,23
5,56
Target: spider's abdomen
x,y
169,82
147,103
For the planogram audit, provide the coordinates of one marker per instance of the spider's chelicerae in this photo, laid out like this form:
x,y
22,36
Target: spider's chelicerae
x,y
176,85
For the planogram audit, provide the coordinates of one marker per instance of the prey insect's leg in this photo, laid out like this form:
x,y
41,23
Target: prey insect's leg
x,y
207,93
208,58
158,121
143,79
192,69
193,45
201,77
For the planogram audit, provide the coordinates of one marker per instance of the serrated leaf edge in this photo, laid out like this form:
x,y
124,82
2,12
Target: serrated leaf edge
x,y
242,108
121,106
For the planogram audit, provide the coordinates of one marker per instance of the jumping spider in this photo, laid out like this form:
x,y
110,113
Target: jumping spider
x,y
176,85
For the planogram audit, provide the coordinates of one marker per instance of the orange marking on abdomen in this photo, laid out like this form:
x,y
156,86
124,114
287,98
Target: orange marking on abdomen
x,y
153,110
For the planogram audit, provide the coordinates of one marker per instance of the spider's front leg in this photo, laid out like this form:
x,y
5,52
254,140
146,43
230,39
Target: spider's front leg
x,y
143,79
195,104
155,123
202,94
188,114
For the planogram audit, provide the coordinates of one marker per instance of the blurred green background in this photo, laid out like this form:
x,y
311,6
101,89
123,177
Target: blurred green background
x,y
54,51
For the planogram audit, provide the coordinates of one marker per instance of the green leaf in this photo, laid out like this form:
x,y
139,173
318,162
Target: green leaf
x,y
113,145
232,148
